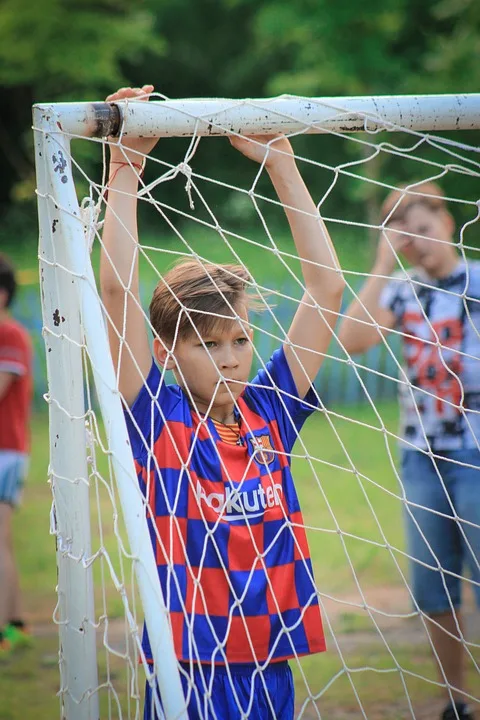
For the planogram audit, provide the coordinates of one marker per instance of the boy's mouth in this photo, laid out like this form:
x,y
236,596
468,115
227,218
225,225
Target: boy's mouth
x,y
228,381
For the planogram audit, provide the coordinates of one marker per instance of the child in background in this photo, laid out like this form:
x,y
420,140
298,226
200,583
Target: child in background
x,y
15,404
440,403
213,450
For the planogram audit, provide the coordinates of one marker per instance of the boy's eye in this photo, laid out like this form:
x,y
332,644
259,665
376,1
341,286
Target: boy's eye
x,y
209,344
241,340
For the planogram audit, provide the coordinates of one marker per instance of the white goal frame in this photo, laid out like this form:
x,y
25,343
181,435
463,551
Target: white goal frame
x,y
72,316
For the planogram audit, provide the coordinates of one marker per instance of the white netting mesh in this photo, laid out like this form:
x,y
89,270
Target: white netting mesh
x,y
345,463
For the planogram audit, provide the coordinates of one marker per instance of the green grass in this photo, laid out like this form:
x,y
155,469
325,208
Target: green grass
x,y
348,491
252,247
345,511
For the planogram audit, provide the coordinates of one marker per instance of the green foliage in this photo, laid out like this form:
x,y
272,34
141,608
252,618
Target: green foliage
x,y
327,48
331,47
52,50
66,49
452,58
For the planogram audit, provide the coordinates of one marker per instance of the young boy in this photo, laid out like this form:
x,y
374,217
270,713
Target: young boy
x,y
436,306
213,451
15,401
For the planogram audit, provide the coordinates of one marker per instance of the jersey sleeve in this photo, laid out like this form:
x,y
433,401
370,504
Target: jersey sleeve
x,y
153,406
14,351
274,393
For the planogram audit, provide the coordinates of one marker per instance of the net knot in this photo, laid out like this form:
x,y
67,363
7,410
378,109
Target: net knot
x,y
186,170
89,214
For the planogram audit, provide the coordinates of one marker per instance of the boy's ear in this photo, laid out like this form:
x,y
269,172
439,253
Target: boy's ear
x,y
162,354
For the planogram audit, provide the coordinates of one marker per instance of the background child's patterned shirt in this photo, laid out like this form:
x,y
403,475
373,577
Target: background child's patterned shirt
x,y
440,322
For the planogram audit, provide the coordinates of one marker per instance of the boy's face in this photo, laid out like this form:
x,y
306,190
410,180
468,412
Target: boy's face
x,y
429,242
218,365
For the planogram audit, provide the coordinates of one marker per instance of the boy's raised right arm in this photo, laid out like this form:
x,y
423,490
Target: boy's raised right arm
x,y
127,331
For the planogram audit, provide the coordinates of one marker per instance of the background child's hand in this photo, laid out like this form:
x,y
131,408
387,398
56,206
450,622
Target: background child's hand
x,y
143,145
256,147
392,242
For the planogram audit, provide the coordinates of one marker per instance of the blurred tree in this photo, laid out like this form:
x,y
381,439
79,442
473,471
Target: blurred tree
x,y
331,48
210,54
61,50
452,58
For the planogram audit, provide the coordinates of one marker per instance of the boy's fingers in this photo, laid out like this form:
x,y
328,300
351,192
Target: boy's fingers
x,y
126,92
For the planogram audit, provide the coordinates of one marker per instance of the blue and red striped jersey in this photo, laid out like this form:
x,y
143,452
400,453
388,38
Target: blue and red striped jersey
x,y
225,521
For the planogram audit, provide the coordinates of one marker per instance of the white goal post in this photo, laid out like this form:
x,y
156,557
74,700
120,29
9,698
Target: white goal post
x,y
77,346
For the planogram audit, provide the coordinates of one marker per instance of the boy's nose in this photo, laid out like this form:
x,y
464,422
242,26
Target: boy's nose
x,y
228,359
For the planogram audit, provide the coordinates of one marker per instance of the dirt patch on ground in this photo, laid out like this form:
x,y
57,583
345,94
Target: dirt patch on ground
x,y
430,710
384,616
388,611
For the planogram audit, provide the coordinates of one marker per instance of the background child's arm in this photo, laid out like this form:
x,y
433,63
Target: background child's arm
x,y
358,331
127,331
323,279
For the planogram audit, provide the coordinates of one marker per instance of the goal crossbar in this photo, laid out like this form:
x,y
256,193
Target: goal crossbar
x,y
287,114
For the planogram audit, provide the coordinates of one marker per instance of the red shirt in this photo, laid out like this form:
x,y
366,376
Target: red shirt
x,y
15,358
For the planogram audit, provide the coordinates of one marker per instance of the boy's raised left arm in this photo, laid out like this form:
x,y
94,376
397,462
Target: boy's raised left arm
x,y
312,326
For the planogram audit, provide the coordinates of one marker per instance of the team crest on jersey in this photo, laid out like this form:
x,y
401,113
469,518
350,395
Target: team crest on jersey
x,y
262,449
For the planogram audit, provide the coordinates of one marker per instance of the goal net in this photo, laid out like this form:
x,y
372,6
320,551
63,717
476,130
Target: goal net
x,y
198,199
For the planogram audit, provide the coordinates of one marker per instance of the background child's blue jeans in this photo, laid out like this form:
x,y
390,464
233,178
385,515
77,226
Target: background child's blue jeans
x,y
454,543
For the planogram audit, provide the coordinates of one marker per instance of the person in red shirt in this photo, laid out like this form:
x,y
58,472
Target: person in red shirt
x,y
15,402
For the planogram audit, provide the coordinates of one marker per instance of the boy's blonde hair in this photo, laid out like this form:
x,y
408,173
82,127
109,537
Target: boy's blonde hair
x,y
428,194
204,292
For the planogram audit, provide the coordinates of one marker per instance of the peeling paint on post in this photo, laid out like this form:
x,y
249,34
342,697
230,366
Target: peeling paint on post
x,y
59,165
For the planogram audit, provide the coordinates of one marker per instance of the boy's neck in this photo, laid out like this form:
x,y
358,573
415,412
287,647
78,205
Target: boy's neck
x,y
225,414
222,415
